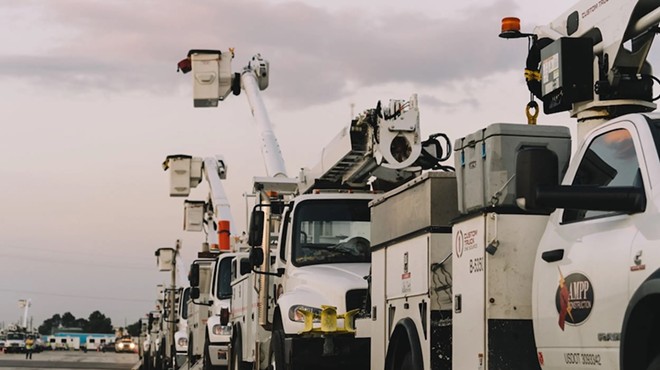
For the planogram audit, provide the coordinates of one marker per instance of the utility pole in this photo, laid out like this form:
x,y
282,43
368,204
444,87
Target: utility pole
x,y
166,259
172,313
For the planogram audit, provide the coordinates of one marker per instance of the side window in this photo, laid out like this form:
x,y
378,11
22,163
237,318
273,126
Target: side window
x,y
609,161
285,232
285,228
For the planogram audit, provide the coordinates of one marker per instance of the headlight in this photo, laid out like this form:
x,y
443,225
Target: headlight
x,y
182,342
296,313
221,329
131,346
120,345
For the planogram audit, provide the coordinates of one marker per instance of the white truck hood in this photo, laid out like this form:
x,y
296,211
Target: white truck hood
x,y
326,283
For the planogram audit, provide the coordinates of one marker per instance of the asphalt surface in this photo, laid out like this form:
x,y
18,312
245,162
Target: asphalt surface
x,y
69,360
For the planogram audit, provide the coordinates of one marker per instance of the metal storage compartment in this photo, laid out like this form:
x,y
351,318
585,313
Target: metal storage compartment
x,y
485,161
428,201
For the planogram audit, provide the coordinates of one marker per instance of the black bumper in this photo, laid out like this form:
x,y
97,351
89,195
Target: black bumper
x,y
335,351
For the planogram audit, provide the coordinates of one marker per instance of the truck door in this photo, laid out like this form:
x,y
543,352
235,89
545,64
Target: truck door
x,y
582,266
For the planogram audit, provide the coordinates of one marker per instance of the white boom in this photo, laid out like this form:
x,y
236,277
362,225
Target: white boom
x,y
383,142
212,82
185,173
253,73
25,305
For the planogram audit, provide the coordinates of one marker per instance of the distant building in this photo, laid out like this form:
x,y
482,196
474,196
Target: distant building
x,y
74,338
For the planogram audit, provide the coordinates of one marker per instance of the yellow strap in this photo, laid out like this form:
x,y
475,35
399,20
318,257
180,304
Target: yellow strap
x,y
532,75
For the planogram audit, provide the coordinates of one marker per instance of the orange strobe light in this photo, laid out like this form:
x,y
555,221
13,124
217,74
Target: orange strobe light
x,y
510,24
510,28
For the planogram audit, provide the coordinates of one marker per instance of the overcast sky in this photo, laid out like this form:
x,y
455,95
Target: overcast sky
x,y
91,104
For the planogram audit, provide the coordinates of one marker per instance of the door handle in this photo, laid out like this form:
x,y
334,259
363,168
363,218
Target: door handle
x,y
553,255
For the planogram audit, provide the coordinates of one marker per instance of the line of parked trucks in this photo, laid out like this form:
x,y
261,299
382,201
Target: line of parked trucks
x,y
520,256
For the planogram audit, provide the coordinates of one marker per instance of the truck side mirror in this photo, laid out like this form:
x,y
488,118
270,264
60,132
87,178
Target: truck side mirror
x,y
193,276
194,293
535,166
256,231
245,266
256,256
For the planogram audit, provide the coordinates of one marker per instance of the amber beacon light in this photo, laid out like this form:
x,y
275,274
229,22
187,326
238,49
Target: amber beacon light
x,y
511,28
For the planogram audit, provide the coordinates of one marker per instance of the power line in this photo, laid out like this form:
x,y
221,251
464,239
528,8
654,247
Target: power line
x,y
59,251
36,292
78,263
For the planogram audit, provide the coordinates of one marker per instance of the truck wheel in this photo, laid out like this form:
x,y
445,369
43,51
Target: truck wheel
x,y
191,358
237,362
162,360
406,362
207,356
655,364
157,363
146,362
277,350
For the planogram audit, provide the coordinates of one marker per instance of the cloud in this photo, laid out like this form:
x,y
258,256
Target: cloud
x,y
316,55
438,103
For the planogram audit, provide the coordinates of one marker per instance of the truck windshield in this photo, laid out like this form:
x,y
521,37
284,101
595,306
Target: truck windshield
x,y
223,288
15,336
331,231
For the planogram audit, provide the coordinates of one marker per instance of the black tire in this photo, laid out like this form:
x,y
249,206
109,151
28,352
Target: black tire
x,y
237,353
207,356
277,350
655,364
191,358
407,362
158,365
146,362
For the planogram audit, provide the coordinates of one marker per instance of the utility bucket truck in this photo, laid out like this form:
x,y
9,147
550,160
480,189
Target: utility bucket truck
x,y
310,235
311,249
552,262
216,332
209,332
181,335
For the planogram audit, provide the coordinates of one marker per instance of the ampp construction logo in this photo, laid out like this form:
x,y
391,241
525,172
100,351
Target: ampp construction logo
x,y
574,299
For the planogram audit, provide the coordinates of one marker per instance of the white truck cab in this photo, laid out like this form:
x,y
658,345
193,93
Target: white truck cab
x,y
209,309
322,258
218,327
181,335
596,289
201,276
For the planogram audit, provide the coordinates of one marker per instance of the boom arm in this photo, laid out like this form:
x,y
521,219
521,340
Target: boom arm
x,y
187,170
254,79
383,143
212,82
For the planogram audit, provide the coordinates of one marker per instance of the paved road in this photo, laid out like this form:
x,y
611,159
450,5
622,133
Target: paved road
x,y
69,360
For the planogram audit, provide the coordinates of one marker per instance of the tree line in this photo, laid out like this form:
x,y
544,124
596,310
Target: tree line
x,y
95,323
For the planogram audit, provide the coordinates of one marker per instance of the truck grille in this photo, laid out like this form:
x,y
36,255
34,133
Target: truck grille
x,y
355,299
